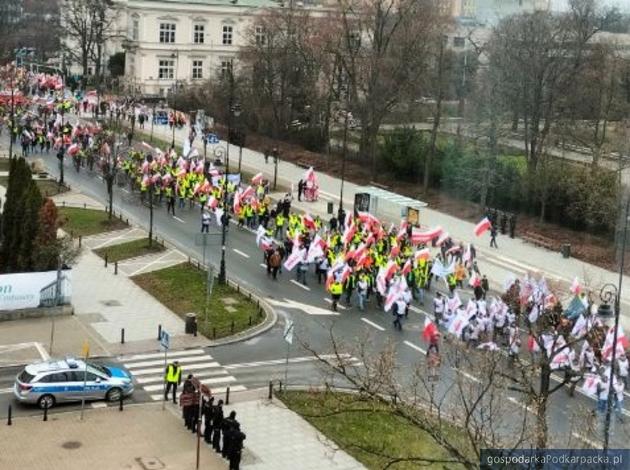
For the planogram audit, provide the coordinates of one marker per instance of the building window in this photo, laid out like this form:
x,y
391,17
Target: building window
x,y
261,36
459,41
199,34
166,69
167,32
227,35
226,66
135,29
197,69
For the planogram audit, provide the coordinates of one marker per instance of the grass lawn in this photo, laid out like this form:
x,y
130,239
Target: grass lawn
x,y
86,222
182,288
46,187
374,429
129,250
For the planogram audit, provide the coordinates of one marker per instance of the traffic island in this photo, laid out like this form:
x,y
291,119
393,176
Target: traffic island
x,y
182,289
80,222
128,250
372,431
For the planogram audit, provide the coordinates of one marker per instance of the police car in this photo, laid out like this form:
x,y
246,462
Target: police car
x,y
55,381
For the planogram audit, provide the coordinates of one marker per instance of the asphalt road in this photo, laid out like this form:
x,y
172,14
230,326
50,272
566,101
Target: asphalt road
x,y
308,308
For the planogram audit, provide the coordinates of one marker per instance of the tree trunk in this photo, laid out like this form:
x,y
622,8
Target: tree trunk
x,y
436,120
542,431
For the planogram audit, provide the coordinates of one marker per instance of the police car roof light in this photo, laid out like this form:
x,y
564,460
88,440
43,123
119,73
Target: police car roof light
x,y
72,363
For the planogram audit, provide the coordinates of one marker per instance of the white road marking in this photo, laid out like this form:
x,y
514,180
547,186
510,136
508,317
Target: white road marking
x,y
179,220
160,377
371,323
6,390
239,252
263,265
125,190
98,404
215,391
157,362
413,346
299,284
467,375
588,441
283,361
159,370
170,354
522,405
42,352
225,379
310,309
339,306
151,263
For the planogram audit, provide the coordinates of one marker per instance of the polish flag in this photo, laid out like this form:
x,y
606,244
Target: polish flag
x,y
622,343
308,221
406,268
453,303
395,291
426,236
73,150
576,288
532,344
394,252
368,219
257,179
348,233
345,273
349,220
442,239
330,278
237,203
453,250
590,384
248,193
429,329
381,282
482,226
390,269
309,175
147,147
424,254
474,280
402,229
459,323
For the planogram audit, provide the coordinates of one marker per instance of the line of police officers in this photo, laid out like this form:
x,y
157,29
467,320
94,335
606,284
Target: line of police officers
x,y
215,424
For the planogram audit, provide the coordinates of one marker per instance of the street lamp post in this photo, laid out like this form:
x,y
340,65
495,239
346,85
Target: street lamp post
x,y
175,55
275,168
343,158
225,221
611,293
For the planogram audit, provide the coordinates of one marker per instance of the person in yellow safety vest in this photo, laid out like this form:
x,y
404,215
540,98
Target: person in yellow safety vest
x,y
451,280
241,217
173,377
260,192
336,289
279,225
249,215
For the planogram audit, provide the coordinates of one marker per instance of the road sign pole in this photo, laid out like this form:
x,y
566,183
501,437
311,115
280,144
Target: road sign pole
x,y
199,428
164,387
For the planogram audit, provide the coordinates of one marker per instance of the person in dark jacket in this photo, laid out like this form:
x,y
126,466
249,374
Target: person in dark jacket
x,y
229,424
187,410
236,448
217,424
208,406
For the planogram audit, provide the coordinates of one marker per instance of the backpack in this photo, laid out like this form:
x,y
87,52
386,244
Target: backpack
x,y
274,260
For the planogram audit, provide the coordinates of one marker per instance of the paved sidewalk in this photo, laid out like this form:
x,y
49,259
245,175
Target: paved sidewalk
x,y
513,256
142,437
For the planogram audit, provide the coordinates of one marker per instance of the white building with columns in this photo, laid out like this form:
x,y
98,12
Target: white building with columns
x,y
184,41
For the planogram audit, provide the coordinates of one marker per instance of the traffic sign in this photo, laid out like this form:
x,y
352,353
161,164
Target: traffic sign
x,y
212,139
165,339
288,332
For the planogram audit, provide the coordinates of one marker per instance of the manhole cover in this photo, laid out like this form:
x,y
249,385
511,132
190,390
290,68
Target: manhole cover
x,y
71,445
111,303
150,463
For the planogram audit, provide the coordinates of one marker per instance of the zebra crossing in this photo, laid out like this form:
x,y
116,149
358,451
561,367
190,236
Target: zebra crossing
x,y
148,371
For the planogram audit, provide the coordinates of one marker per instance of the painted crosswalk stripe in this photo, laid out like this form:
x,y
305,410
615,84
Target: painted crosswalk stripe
x,y
158,370
292,360
371,323
189,352
239,252
160,377
6,390
179,220
215,391
156,362
228,378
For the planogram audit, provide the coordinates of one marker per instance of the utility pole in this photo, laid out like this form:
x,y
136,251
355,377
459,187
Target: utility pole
x,y
224,223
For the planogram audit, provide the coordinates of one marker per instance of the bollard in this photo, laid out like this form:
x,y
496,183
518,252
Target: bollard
x,y
227,396
116,267
63,203
80,239
258,303
250,296
71,233
46,411
232,327
9,422
195,328
122,336
105,259
280,385
120,403
250,320
84,205
214,332
271,389
159,332
238,287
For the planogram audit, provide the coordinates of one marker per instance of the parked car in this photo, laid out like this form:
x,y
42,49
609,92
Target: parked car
x,y
50,382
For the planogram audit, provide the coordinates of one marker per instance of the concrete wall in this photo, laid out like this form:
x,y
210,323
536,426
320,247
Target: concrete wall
x,y
7,315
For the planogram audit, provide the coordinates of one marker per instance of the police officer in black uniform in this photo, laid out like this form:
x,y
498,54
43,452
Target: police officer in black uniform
x,y
217,423
236,447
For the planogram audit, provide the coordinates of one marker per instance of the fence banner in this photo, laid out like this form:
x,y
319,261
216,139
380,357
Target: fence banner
x,y
32,290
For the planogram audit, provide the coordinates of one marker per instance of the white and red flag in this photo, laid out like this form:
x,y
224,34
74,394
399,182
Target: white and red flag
x,y
292,261
257,178
622,343
308,221
482,226
576,288
418,237
424,254
443,237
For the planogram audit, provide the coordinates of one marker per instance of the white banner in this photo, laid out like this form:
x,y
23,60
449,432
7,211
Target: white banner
x,y
32,290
